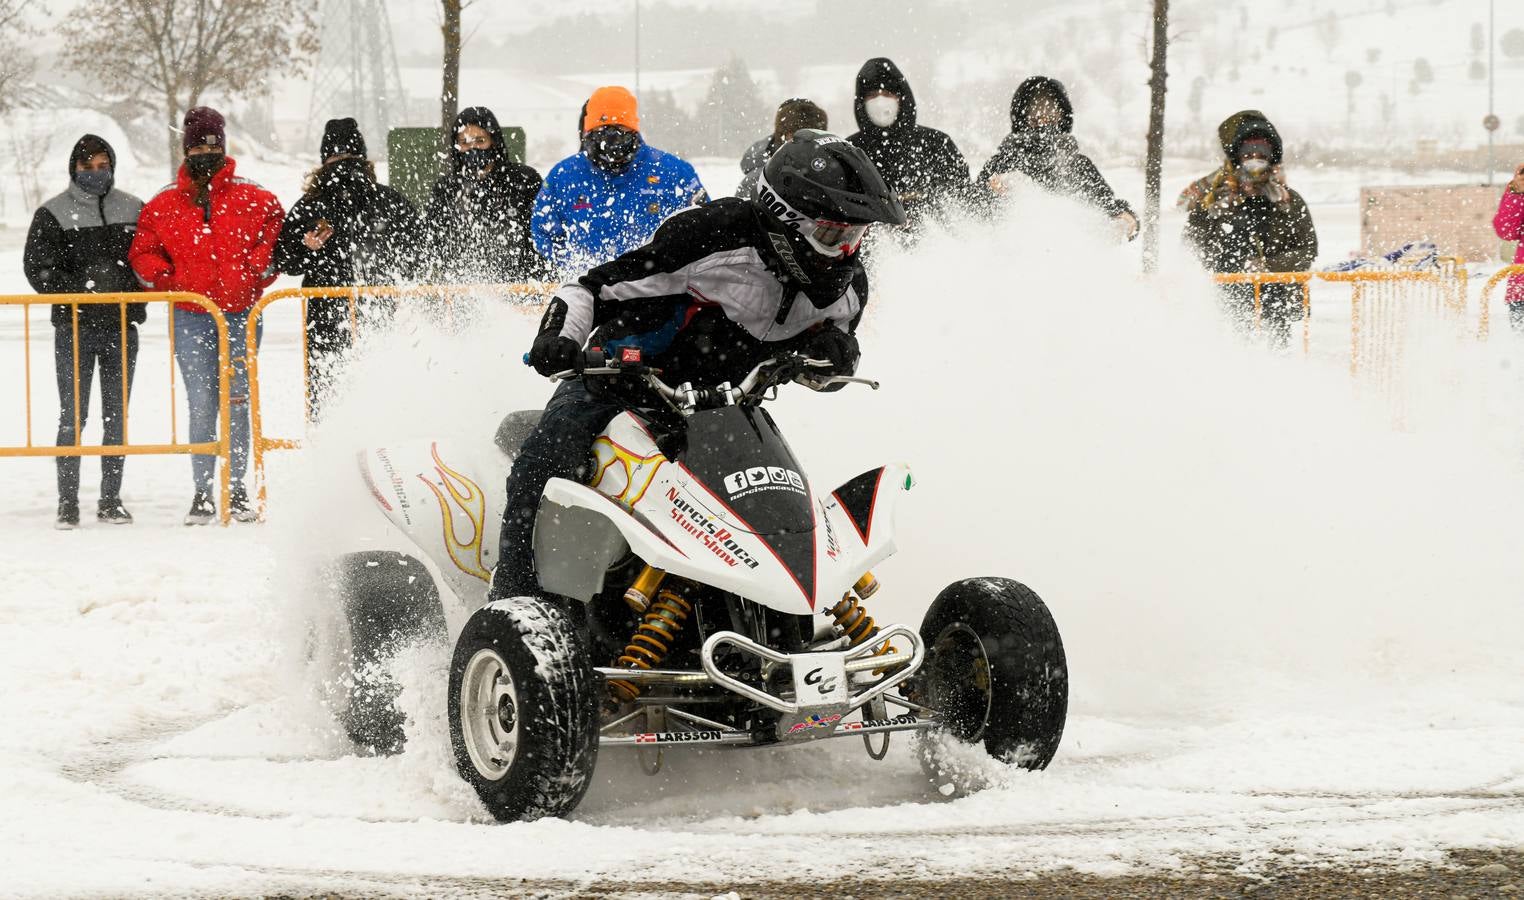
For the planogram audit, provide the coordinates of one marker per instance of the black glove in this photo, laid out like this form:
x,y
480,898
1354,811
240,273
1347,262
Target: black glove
x,y
835,346
552,353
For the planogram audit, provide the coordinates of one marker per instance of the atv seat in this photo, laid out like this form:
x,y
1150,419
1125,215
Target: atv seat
x,y
514,428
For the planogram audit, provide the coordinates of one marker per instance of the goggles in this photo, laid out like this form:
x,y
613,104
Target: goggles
x,y
836,237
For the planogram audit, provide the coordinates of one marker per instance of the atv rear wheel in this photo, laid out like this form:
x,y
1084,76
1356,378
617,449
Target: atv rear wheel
x,y
523,707
389,602
995,671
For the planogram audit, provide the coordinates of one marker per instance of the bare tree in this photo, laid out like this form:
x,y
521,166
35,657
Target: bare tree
x,y
182,50
15,61
1153,165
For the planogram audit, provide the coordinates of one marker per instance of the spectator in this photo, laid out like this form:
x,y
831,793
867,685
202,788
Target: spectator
x,y
78,245
608,198
346,230
792,115
1509,224
478,217
922,165
1244,218
211,233
1042,148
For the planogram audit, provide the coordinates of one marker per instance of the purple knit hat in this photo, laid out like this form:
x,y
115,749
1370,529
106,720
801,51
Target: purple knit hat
x,y
204,125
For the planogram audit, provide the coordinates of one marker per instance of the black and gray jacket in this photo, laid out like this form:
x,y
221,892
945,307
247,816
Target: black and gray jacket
x,y
717,288
78,245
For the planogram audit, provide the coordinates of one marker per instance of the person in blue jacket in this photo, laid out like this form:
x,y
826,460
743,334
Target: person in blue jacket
x,y
609,197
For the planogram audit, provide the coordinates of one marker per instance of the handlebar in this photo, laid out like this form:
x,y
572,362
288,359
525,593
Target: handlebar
x,y
765,375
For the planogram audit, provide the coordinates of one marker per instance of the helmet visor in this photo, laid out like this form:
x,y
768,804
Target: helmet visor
x,y
838,235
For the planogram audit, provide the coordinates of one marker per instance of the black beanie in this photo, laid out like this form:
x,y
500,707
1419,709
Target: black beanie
x,y
342,136
86,147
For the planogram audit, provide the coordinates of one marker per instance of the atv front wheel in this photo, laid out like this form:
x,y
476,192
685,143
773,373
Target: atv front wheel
x,y
995,671
523,708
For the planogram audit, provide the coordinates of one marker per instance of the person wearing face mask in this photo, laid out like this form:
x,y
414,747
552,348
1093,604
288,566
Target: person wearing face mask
x,y
609,196
1244,218
718,289
347,229
212,233
921,165
792,115
478,217
1042,148
78,244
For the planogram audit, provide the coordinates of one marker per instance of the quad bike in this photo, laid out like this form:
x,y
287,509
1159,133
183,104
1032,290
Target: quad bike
x,y
698,592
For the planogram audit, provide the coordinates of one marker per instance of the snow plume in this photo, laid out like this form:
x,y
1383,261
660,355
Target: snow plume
x,y
1207,520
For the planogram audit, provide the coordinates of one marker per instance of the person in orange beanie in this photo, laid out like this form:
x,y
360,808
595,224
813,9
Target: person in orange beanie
x,y
609,197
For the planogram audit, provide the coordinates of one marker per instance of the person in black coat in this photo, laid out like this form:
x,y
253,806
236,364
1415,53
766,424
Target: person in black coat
x,y
1042,148
78,244
346,230
478,219
922,165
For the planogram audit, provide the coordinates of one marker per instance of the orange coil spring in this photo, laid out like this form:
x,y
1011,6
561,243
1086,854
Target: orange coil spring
x,y
853,619
653,638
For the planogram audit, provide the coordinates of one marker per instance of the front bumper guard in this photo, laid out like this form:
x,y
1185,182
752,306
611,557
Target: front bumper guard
x,y
826,685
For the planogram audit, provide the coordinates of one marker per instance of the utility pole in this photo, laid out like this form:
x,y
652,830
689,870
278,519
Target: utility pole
x,y
637,49
1153,164
1492,79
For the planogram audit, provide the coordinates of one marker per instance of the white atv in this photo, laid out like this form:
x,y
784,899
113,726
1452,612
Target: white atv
x,y
699,591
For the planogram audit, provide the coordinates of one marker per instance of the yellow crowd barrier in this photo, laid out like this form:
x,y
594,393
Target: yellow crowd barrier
x,y
1380,302
1485,318
445,294
219,447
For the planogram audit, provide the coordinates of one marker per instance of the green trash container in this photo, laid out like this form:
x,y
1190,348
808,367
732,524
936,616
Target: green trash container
x,y
414,158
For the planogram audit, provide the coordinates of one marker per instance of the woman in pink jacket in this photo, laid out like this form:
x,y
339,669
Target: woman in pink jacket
x,y
1509,224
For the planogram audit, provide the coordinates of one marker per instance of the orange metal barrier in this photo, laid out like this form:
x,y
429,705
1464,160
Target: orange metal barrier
x,y
1484,323
1379,300
219,448
446,293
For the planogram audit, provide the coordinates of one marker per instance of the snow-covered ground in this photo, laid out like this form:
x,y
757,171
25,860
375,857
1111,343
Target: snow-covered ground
x,y
1292,628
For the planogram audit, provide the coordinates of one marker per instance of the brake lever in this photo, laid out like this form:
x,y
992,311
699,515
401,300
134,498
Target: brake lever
x,y
821,382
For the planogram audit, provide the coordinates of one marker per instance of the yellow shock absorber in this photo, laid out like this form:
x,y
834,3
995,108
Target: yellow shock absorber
x,y
852,617
653,638
639,594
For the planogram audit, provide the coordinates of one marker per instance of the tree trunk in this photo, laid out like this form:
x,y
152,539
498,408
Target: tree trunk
x,y
1154,161
449,95
176,144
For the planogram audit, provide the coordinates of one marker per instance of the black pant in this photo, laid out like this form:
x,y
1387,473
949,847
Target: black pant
x,y
559,447
1280,306
98,346
1516,316
329,337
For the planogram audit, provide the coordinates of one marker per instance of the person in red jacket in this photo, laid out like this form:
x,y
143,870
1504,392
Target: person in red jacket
x,y
1509,224
210,233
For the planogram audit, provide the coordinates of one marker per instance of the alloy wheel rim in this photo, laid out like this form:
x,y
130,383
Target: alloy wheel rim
x,y
489,714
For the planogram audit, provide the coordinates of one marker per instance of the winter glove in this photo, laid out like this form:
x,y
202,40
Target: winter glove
x,y
552,353
836,347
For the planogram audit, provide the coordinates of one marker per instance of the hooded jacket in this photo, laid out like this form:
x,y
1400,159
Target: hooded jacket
x,y
1050,157
478,224
78,244
920,164
1509,225
224,251
586,216
1229,227
374,230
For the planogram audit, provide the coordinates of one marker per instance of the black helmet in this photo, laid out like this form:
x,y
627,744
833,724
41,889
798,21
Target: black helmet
x,y
827,190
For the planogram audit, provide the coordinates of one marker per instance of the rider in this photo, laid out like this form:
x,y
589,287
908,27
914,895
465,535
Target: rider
x,y
718,289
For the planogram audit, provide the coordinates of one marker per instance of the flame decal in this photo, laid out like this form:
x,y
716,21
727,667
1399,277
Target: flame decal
x,y
469,499
638,472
